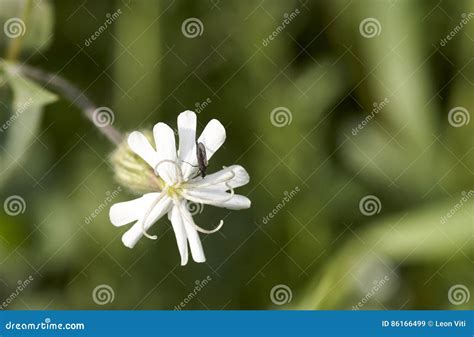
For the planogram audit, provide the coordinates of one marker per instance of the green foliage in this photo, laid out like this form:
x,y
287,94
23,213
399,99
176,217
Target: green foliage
x,y
24,119
35,30
322,70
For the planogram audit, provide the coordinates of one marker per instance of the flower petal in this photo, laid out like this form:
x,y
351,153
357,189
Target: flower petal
x,y
131,237
166,150
142,147
213,136
187,141
233,176
179,231
218,198
125,212
193,237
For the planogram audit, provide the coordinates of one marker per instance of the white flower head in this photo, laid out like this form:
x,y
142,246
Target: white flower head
x,y
178,183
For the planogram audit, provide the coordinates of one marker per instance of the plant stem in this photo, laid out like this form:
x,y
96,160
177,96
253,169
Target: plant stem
x,y
72,94
14,46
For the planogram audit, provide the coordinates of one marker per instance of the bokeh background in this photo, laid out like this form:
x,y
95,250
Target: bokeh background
x,y
365,228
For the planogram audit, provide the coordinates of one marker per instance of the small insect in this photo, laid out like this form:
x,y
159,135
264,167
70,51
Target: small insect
x,y
201,158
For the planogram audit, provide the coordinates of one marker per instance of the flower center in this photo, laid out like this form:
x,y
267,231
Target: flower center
x,y
173,191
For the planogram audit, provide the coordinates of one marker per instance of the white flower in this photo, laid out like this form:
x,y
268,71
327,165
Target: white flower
x,y
180,183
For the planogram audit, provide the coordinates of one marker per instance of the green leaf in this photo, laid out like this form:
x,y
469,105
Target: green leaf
x,y
24,121
422,236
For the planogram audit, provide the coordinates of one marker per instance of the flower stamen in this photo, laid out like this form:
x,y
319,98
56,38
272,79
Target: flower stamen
x,y
147,214
199,229
209,201
179,174
215,182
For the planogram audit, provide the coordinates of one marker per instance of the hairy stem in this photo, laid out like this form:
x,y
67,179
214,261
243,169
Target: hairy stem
x,y
72,94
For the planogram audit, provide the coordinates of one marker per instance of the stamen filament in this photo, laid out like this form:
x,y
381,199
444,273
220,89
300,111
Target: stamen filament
x,y
147,214
189,218
176,166
212,183
189,195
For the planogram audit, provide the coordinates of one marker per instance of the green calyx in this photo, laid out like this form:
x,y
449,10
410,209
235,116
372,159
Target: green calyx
x,y
133,172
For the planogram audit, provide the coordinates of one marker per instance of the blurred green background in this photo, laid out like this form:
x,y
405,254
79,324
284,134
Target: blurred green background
x,y
323,71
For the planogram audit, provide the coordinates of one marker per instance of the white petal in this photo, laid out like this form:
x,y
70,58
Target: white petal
x,y
142,147
193,237
131,237
179,231
187,141
123,213
218,198
213,136
166,149
233,176
237,202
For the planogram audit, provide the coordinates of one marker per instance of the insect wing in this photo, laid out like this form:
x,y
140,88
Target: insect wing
x,y
201,154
